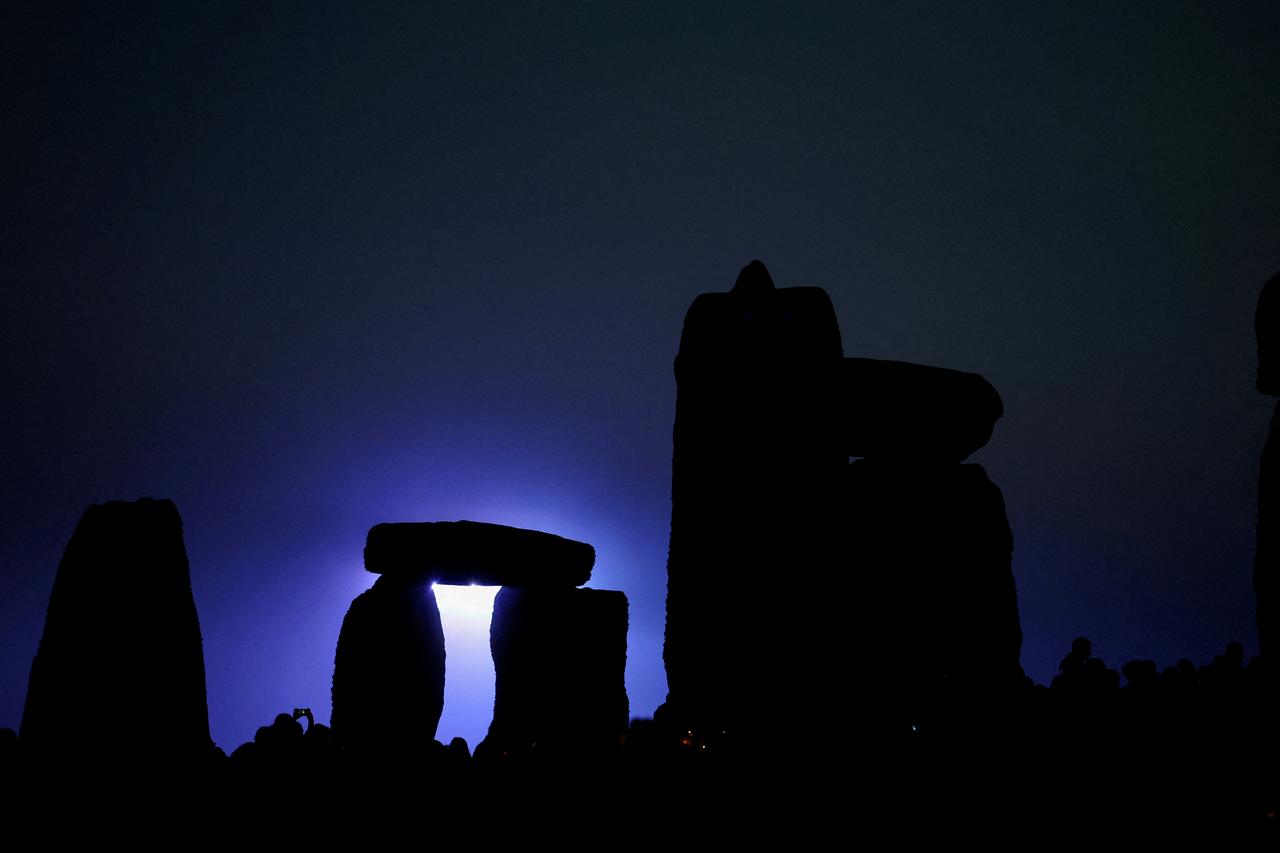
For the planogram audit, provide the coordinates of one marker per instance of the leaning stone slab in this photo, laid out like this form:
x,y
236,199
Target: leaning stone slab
x,y
473,552
899,410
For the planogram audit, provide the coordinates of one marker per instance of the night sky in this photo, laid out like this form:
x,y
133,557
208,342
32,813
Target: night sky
x,y
304,270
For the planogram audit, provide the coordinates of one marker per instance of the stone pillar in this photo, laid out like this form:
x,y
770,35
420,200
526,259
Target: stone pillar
x,y
560,658
932,550
120,667
755,470
388,674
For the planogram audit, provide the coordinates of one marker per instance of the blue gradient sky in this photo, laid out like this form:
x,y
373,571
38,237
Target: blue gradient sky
x,y
308,271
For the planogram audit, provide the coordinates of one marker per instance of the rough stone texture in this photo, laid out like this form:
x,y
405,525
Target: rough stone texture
x,y
467,552
899,410
932,550
559,656
388,674
755,470
121,663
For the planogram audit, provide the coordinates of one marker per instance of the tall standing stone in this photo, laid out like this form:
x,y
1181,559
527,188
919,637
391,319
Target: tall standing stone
x,y
120,666
754,472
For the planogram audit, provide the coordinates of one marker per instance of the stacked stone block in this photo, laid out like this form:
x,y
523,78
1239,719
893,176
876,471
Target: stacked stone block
x,y
790,569
559,650
927,535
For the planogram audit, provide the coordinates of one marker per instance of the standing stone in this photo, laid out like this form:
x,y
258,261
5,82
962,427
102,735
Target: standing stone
x,y
559,657
932,550
388,674
1266,565
120,667
755,469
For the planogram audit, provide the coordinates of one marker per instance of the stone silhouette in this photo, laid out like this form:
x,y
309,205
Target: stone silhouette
x,y
899,410
928,538
559,656
388,673
1266,566
755,468
907,552
390,662
933,551
467,552
121,645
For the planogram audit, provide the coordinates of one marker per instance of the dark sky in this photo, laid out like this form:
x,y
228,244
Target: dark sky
x,y
305,270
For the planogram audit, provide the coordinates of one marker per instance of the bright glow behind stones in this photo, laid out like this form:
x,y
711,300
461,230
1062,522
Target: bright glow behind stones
x,y
465,612
466,607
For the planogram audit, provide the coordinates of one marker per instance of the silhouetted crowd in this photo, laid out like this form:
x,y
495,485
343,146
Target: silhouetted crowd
x,y
1185,743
